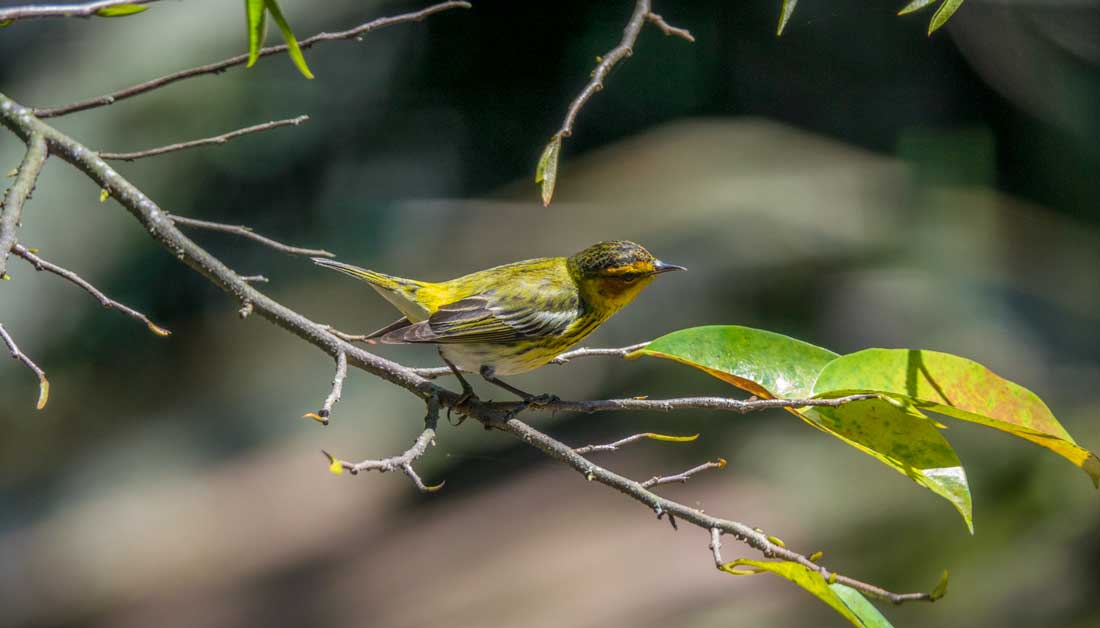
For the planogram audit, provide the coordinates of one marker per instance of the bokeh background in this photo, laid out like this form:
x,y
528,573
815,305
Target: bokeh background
x,y
853,183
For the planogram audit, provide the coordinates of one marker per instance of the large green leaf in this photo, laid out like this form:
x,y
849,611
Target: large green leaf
x,y
956,387
764,363
939,18
843,599
771,365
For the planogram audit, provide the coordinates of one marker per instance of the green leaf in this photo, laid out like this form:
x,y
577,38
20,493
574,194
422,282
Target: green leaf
x,y
845,600
120,10
764,363
958,388
944,13
771,365
941,587
785,15
546,172
257,25
914,6
292,44
6,23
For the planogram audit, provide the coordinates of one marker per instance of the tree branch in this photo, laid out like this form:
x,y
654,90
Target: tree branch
x,y
496,415
740,406
403,461
19,192
217,139
107,302
241,59
246,232
14,14
43,383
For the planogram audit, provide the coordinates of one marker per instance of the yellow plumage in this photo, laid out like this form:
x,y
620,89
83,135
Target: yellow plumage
x,y
516,317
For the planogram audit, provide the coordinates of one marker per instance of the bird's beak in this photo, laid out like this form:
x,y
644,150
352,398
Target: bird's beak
x,y
662,267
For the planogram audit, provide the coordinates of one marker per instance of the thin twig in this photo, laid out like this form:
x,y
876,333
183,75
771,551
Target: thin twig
x,y
587,449
322,415
217,139
220,66
107,302
716,547
43,383
625,48
18,193
405,460
434,372
740,406
658,480
246,232
161,228
14,14
668,29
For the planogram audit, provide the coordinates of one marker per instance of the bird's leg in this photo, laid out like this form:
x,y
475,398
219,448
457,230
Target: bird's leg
x,y
467,389
528,399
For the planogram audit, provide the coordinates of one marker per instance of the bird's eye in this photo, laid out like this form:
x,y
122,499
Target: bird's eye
x,y
629,278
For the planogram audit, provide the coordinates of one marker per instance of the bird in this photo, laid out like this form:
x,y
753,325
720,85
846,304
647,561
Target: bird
x,y
516,317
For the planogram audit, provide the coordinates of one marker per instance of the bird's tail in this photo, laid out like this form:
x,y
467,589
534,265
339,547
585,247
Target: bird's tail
x,y
400,292
379,280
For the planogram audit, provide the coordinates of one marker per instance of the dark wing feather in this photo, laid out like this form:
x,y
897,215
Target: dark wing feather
x,y
484,318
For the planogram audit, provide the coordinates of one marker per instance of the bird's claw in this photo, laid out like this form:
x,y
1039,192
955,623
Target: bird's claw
x,y
536,401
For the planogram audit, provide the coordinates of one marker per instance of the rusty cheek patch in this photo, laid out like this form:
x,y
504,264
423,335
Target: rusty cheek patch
x,y
634,268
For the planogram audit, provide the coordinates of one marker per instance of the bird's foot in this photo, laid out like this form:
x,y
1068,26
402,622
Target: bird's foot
x,y
531,401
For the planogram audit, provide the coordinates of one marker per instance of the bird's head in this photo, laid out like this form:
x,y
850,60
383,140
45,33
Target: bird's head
x,y
613,273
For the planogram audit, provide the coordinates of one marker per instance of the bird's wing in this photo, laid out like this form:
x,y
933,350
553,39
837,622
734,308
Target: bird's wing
x,y
486,318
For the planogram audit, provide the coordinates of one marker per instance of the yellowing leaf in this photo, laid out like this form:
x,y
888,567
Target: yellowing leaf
x,y
546,172
43,392
844,600
672,439
120,10
292,44
785,15
335,465
104,195
958,388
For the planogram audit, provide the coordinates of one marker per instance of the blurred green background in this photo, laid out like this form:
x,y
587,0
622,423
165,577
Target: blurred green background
x,y
852,184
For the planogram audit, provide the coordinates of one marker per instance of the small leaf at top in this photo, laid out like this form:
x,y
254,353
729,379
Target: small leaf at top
x,y
959,388
120,10
914,6
256,17
944,13
941,587
845,600
292,44
785,15
546,172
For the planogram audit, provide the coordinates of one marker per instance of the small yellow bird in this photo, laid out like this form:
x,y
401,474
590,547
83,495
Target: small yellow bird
x,y
516,317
